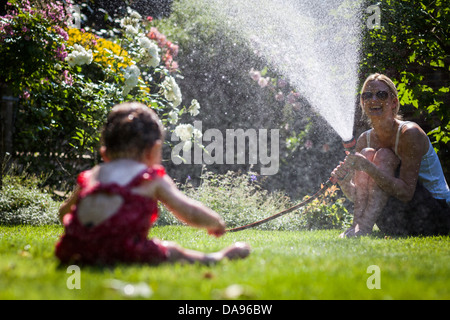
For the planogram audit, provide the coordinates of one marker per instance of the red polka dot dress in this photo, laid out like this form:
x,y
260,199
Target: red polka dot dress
x,y
122,237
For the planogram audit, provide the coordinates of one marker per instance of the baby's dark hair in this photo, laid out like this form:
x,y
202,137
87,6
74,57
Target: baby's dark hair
x,y
130,129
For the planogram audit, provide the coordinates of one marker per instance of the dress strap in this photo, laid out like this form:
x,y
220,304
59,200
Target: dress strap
x,y
83,178
397,138
147,174
368,138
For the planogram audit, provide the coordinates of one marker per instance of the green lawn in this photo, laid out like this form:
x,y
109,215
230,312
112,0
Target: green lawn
x,y
284,265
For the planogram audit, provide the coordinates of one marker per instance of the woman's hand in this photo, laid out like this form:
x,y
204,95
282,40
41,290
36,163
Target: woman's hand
x,y
355,161
341,172
343,175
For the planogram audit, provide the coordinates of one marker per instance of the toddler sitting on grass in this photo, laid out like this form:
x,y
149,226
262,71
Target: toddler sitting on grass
x,y
109,215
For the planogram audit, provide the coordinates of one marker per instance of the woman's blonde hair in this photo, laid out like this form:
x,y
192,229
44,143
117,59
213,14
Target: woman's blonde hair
x,y
391,86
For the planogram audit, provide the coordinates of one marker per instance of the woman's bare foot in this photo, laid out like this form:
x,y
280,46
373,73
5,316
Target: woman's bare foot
x,y
350,232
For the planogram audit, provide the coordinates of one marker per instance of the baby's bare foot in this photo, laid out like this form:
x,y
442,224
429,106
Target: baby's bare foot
x,y
239,250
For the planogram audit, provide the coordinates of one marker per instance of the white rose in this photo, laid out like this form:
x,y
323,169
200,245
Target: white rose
x,y
150,53
187,145
184,131
197,133
79,56
71,60
131,30
193,109
131,76
173,116
134,14
171,91
132,71
144,42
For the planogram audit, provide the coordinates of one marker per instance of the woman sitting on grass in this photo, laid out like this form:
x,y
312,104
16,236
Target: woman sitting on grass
x,y
395,178
109,215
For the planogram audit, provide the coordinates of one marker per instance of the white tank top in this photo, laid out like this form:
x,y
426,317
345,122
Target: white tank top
x,y
431,174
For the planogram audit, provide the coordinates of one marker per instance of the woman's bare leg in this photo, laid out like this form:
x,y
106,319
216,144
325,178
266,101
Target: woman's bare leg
x,y
362,181
388,162
369,198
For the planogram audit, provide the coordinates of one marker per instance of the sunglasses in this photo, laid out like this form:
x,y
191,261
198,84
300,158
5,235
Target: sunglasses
x,y
381,95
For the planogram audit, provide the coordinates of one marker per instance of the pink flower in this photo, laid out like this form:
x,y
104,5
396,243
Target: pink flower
x,y
67,77
26,95
154,34
61,52
162,40
279,96
171,65
308,144
281,83
263,82
291,98
296,106
62,33
254,74
172,48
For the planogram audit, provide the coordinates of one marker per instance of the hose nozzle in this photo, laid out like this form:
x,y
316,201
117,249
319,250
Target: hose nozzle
x,y
349,145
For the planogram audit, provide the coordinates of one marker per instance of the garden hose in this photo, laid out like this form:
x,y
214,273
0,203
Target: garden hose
x,y
325,186
348,146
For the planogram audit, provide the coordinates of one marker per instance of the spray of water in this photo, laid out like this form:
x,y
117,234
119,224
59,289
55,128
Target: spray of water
x,y
314,44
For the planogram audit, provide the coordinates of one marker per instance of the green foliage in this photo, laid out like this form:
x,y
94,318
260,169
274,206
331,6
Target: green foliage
x,y
32,42
412,47
23,202
69,79
236,197
240,200
326,212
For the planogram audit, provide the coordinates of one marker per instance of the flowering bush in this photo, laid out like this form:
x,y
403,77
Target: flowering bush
x,y
326,212
240,200
32,41
103,50
69,78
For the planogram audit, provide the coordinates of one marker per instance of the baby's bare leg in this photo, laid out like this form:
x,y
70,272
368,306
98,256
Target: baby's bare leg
x,y
239,250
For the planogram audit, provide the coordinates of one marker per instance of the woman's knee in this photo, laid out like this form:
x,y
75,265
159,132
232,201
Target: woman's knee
x,y
386,158
369,153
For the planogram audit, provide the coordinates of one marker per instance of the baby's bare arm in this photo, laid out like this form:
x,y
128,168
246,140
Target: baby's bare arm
x,y
67,204
186,209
